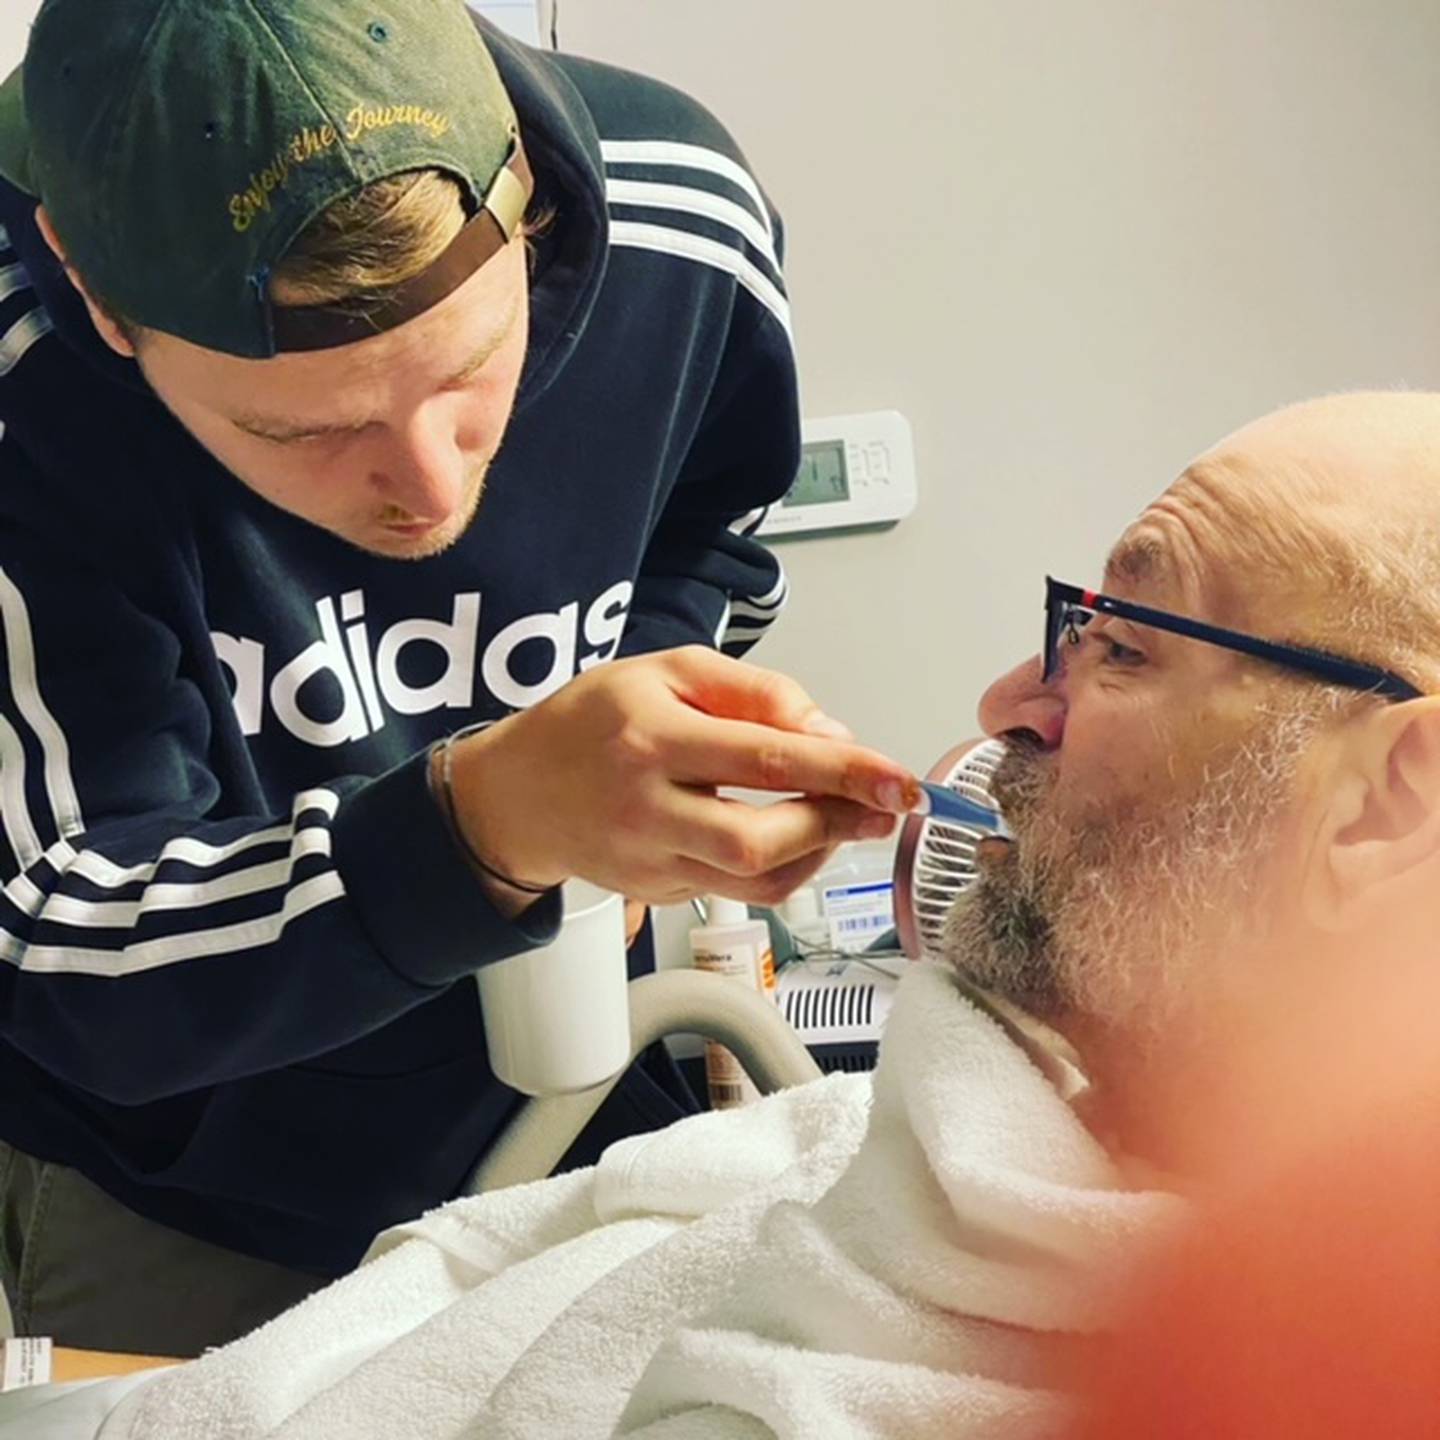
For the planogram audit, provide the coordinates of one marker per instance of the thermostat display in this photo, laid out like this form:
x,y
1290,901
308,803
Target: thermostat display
x,y
855,470
822,479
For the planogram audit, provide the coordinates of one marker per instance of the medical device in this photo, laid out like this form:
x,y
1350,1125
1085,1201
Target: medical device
x,y
855,470
936,860
837,987
839,1007
855,895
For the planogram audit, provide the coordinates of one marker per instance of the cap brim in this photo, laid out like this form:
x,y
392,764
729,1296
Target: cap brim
x,y
15,163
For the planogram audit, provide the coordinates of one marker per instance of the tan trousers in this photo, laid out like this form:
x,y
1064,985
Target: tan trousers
x,y
81,1268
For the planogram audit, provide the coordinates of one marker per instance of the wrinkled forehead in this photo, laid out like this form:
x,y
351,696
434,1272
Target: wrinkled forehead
x,y
1197,548
1160,557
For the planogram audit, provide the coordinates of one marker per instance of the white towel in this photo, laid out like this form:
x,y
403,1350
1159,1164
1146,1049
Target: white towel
x,y
939,1287
416,1340
805,1266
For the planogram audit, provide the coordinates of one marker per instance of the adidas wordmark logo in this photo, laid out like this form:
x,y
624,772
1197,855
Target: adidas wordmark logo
x,y
369,677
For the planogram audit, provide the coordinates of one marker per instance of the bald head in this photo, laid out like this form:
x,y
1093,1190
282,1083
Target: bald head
x,y
1318,524
1392,436
1201,837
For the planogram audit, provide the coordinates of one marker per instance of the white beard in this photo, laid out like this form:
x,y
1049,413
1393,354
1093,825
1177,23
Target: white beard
x,y
1136,921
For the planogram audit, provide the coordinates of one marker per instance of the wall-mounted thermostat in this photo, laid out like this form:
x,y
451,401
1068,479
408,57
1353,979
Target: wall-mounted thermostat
x,y
854,470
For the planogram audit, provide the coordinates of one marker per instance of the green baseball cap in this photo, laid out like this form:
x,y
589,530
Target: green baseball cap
x,y
182,146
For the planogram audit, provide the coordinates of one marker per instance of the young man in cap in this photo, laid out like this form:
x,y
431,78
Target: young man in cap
x,y
306,265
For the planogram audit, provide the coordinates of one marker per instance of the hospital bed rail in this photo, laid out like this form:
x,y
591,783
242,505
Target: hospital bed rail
x,y
670,1002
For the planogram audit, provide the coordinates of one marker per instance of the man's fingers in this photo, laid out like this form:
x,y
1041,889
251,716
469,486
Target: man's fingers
x,y
731,689
757,757
768,889
746,841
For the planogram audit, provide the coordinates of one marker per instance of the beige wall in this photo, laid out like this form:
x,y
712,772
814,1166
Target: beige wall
x,y
1074,243
15,18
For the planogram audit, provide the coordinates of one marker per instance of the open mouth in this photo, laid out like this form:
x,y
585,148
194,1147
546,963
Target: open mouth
x,y
993,851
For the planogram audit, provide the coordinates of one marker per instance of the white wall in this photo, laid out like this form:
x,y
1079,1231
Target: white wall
x,y
1074,243
525,18
15,18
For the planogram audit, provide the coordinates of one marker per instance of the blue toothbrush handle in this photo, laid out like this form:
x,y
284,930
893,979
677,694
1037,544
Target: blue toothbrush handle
x,y
942,803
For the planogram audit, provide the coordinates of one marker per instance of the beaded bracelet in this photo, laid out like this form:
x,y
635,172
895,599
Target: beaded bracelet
x,y
446,800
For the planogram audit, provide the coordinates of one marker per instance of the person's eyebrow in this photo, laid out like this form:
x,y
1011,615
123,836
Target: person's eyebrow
x,y
286,430
1139,560
481,358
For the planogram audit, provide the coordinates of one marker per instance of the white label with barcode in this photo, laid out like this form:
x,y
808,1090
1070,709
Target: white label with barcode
x,y
859,914
27,1362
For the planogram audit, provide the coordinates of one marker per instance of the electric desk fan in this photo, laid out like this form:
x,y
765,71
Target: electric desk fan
x,y
840,1010
935,861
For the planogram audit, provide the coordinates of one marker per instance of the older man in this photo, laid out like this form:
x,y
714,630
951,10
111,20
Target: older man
x,y
1208,814
1224,772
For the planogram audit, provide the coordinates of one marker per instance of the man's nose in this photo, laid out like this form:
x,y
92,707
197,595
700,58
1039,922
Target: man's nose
x,y
1021,700
423,472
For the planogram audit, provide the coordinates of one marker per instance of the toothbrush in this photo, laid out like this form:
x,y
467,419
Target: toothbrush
x,y
941,803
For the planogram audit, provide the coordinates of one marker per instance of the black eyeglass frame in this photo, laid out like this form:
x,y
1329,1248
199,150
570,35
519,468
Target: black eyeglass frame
x,y
1064,602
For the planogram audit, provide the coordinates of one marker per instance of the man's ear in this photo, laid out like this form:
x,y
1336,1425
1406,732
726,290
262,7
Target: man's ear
x,y
109,331
1377,851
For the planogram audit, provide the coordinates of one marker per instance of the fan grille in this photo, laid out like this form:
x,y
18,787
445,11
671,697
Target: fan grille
x,y
830,1007
945,856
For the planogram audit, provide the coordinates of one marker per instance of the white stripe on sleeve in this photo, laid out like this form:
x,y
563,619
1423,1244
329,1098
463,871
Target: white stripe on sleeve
x,y
25,895
126,914
13,279
688,246
17,340
688,157
14,808
185,850
173,949
742,613
695,202
776,594
750,522
99,871
722,629
25,687
751,618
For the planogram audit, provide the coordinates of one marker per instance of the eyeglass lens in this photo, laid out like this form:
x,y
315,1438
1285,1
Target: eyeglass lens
x,y
1064,621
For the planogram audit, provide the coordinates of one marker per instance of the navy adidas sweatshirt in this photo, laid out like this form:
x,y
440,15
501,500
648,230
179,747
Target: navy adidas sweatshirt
x,y
236,941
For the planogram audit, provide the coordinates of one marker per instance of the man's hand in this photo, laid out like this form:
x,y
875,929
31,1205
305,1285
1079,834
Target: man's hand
x,y
614,780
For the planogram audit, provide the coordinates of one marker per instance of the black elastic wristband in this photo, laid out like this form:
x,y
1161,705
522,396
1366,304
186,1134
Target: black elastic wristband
x,y
446,799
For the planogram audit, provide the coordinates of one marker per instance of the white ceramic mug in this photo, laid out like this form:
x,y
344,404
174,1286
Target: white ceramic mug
x,y
558,1019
